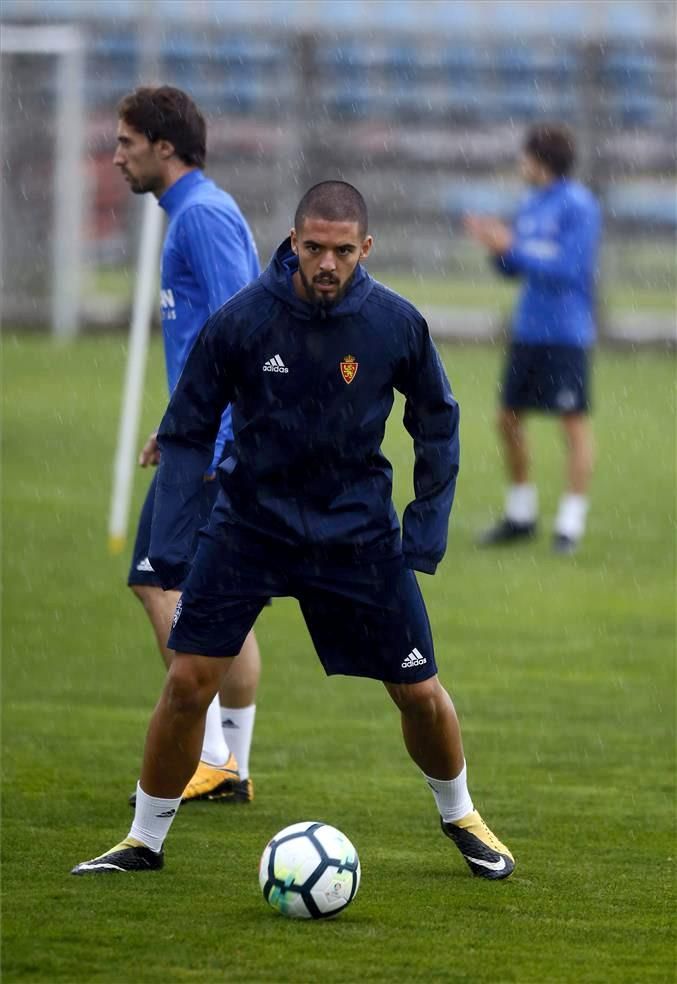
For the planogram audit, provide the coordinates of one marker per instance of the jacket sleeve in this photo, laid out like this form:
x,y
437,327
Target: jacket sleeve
x,y
431,416
215,247
563,259
186,439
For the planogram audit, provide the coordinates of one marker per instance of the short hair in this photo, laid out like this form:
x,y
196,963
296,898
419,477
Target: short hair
x,y
553,145
335,201
165,113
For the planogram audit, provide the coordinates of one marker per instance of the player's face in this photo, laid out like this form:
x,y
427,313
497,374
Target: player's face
x,y
139,160
328,255
533,171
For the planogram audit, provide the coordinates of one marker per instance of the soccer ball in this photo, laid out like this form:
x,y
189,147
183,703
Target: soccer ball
x,y
309,870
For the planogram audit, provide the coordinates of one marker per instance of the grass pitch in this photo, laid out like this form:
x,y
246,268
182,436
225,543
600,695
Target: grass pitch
x,y
652,296
562,670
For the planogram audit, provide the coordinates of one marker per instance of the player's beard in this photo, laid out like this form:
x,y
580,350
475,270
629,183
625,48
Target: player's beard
x,y
318,299
139,186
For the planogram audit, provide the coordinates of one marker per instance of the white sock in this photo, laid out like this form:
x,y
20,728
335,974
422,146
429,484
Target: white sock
x,y
451,795
521,503
238,728
571,515
215,751
152,819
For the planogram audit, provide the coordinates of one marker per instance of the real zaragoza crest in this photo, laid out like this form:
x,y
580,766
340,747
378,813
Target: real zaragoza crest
x,y
349,368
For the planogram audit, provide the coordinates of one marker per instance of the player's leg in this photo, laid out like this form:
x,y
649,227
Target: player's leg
x,y
518,392
580,451
573,505
371,621
238,701
571,370
217,777
426,709
432,736
160,606
174,738
238,711
216,614
217,773
512,431
171,755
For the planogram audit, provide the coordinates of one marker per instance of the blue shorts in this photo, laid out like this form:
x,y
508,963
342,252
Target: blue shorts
x,y
366,620
550,378
140,571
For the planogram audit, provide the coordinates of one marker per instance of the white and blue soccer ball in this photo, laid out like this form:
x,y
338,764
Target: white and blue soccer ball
x,y
309,870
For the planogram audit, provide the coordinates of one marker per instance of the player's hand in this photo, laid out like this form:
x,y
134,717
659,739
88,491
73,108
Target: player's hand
x,y
150,452
474,226
490,232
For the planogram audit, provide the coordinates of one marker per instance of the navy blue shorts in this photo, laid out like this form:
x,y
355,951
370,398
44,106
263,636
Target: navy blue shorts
x,y
550,378
367,621
140,571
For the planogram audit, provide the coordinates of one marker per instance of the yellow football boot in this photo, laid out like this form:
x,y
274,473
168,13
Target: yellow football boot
x,y
216,783
212,782
484,854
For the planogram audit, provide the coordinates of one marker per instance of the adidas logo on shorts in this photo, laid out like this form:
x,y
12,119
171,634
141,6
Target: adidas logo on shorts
x,y
413,659
275,365
177,612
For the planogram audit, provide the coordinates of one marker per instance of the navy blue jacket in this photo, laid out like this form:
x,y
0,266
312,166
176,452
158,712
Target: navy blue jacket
x,y
311,391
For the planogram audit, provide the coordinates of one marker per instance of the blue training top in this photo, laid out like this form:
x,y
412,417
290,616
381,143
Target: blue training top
x,y
311,391
556,239
208,255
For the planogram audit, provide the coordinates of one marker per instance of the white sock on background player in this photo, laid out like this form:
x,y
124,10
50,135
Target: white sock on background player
x,y
238,727
571,515
521,503
452,796
215,751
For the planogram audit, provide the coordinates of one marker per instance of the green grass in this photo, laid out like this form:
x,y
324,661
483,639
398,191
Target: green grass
x,y
562,671
480,293
493,294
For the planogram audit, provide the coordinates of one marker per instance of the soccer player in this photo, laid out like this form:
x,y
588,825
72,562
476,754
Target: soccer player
x,y
309,356
553,247
208,255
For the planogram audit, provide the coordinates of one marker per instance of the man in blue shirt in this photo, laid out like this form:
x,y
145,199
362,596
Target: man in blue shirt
x,y
208,255
553,248
309,356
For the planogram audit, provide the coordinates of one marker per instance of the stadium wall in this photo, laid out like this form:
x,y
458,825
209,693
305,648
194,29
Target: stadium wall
x,y
427,125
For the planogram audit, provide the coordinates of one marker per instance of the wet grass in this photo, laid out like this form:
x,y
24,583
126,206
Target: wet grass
x,y
493,294
562,670
481,292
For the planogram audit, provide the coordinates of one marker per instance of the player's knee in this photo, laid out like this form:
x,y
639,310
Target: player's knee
x,y
416,698
190,687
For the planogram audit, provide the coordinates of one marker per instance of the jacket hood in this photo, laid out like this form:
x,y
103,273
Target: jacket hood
x,y
277,279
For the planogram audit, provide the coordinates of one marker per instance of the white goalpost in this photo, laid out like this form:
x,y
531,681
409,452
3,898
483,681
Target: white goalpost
x,y
145,293
42,271
43,199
